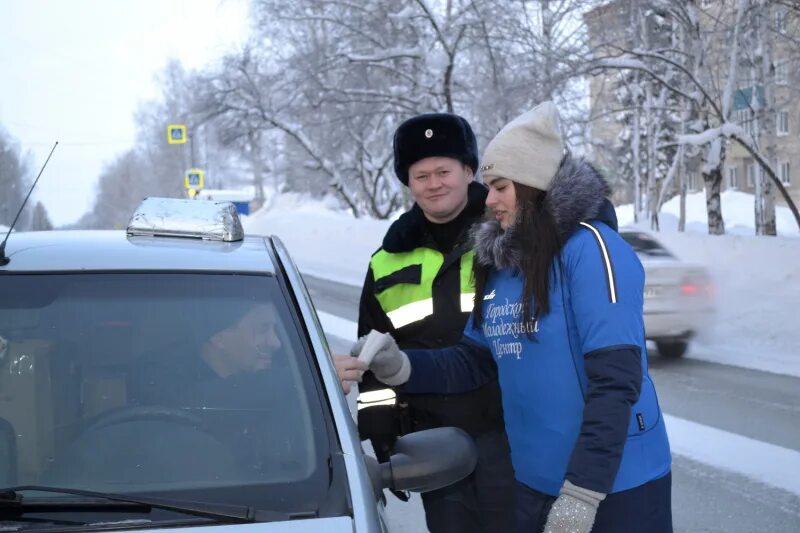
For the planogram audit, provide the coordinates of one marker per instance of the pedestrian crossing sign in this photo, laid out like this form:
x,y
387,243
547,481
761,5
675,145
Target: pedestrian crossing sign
x,y
194,179
176,134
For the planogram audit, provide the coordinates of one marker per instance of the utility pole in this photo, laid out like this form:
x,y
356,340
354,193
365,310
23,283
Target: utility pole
x,y
191,149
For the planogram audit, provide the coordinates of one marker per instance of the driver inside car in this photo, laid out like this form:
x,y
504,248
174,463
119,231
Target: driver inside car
x,y
217,398
246,346
233,381
236,354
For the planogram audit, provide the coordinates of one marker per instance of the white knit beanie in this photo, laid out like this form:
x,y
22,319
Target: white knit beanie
x,y
528,150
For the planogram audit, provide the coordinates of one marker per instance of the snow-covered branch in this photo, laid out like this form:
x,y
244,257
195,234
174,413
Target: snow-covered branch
x,y
629,63
731,130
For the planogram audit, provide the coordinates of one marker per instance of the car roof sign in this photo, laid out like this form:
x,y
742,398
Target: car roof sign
x,y
177,217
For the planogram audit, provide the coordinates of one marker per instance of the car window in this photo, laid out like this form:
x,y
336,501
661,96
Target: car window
x,y
192,385
645,245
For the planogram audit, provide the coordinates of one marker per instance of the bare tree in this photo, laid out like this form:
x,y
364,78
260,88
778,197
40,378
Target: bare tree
x,y
152,167
772,84
709,95
327,83
13,182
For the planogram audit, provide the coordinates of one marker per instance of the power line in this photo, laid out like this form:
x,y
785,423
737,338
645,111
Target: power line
x,y
79,143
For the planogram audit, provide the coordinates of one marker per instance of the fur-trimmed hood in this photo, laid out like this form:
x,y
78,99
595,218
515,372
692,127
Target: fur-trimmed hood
x,y
577,193
410,230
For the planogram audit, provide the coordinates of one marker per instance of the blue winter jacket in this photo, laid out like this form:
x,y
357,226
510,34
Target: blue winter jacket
x,y
577,398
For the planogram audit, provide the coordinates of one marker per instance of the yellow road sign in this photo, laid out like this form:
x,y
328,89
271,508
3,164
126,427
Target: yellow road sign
x,y
176,134
194,179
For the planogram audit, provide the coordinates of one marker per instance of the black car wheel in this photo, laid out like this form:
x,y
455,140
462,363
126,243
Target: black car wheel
x,y
672,349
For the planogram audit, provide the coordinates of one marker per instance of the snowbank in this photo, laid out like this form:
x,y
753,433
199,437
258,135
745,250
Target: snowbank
x,y
324,242
737,212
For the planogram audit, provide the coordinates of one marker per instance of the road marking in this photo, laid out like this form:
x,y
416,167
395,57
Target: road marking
x,y
771,464
338,326
761,461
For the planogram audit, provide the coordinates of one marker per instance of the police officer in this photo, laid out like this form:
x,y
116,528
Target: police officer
x,y
419,289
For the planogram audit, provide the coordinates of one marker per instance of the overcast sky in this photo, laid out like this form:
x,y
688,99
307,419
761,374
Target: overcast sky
x,y
75,71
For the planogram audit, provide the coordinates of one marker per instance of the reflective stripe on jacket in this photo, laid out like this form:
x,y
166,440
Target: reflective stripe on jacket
x,y
404,283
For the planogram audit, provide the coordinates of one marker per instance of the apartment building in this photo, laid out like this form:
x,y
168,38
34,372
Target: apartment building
x,y
609,27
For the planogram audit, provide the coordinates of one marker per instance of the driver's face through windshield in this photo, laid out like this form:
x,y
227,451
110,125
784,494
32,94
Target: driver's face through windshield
x,y
247,346
192,385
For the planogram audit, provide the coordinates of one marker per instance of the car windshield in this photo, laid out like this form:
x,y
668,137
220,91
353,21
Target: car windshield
x,y
645,245
189,386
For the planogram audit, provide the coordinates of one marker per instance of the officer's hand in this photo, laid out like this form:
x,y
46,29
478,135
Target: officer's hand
x,y
349,369
574,510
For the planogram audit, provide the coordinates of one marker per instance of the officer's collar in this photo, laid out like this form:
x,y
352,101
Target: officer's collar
x,y
410,230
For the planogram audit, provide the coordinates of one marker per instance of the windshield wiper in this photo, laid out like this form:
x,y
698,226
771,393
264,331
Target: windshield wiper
x,y
11,499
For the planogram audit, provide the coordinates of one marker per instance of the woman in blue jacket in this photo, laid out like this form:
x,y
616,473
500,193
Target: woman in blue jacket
x,y
558,310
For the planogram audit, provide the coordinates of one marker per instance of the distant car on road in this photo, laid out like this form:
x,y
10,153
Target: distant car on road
x,y
175,375
678,296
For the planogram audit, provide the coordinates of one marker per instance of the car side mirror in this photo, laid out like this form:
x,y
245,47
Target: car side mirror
x,y
8,454
418,463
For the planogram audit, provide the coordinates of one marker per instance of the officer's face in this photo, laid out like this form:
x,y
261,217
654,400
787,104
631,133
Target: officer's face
x,y
502,200
439,186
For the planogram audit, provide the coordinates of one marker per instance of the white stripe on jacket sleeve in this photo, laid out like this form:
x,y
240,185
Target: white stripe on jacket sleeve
x,y
612,291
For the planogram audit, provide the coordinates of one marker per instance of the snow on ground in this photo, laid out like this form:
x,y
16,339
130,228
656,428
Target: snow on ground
x,y
324,242
757,279
737,211
765,462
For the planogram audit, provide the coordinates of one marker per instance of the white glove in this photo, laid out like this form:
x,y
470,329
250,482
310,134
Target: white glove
x,y
389,365
574,510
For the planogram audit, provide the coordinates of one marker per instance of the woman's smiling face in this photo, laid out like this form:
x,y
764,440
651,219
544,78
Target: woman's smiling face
x,y
502,200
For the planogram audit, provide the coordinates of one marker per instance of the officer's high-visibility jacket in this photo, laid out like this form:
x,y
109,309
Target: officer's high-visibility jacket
x,y
423,295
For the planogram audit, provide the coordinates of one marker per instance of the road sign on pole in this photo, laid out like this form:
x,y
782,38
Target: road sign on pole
x,y
194,179
176,134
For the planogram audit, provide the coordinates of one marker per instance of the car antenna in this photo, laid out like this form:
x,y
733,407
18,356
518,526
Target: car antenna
x,y
3,259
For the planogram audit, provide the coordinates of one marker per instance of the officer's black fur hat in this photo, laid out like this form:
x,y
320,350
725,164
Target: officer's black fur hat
x,y
433,135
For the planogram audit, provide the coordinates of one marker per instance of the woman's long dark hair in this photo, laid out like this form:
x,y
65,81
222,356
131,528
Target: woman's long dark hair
x,y
539,242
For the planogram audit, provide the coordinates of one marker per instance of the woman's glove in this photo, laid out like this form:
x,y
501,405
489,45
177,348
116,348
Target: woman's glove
x,y
574,510
389,365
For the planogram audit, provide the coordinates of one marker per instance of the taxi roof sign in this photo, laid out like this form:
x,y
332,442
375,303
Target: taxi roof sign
x,y
177,217
176,134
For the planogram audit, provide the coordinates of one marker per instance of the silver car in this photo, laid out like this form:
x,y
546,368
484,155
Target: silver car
x,y
175,375
678,296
